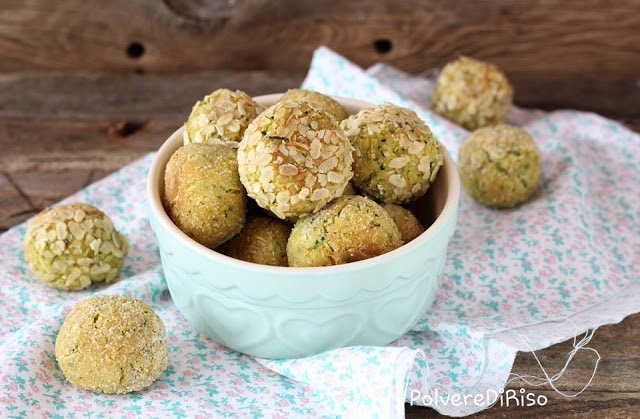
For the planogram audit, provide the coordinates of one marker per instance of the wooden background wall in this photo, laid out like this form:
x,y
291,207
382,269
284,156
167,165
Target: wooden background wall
x,y
588,39
87,86
541,44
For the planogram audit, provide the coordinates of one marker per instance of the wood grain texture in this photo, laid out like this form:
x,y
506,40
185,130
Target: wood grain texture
x,y
618,369
48,160
72,129
134,98
49,145
14,204
585,39
82,96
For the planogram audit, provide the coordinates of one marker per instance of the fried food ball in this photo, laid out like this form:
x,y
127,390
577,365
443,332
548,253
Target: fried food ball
x,y
112,344
472,93
263,241
221,117
407,223
317,101
499,166
203,194
396,156
294,159
349,229
74,245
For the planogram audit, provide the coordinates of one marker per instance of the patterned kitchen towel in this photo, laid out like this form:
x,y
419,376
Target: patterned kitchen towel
x,y
521,279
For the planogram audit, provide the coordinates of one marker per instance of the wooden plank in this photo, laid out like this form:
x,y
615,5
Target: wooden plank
x,y
44,161
135,99
556,38
132,98
617,99
24,194
618,369
37,185
14,205
85,145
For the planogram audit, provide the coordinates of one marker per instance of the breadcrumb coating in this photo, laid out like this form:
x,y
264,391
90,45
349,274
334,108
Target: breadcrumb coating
x,y
203,194
349,229
409,226
263,241
112,344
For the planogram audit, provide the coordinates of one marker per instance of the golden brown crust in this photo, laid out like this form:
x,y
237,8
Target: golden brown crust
x,y
203,194
263,241
112,344
407,223
349,229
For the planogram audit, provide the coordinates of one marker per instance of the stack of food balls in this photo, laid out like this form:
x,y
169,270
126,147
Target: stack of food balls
x,y
301,183
499,164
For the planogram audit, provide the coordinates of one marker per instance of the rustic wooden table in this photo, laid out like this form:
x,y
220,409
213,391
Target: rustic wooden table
x,y
84,93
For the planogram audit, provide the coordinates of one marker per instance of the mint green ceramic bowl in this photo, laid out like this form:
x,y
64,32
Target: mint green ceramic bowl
x,y
279,312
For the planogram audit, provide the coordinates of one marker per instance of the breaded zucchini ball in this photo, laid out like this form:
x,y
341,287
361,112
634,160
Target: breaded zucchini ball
x,y
396,156
472,93
317,101
263,241
221,117
407,223
112,344
203,194
294,159
499,166
74,245
349,229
